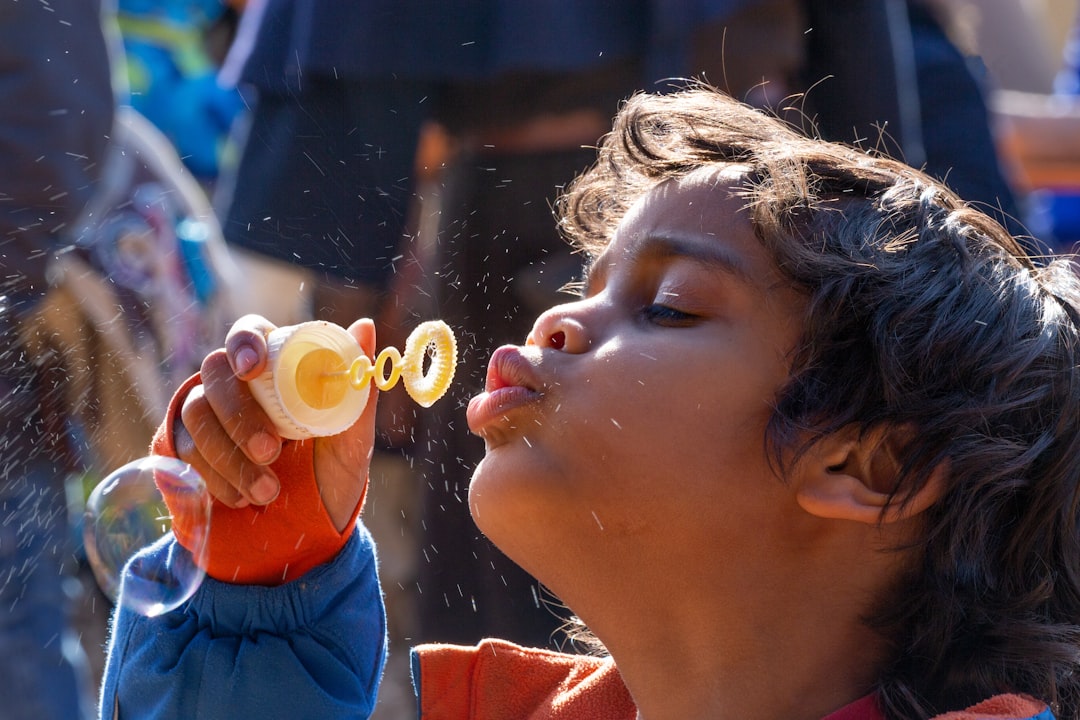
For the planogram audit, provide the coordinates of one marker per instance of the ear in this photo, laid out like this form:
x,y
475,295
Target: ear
x,y
851,476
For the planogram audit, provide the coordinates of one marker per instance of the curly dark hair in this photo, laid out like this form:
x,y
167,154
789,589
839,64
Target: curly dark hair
x,y
923,314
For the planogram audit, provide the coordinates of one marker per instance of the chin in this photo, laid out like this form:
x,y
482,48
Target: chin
x,y
507,505
488,501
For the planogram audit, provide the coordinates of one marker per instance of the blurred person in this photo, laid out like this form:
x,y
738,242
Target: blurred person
x,y
887,74
114,270
54,125
1041,132
317,202
1032,55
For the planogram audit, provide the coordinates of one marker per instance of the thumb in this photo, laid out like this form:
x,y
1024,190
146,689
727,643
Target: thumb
x,y
342,461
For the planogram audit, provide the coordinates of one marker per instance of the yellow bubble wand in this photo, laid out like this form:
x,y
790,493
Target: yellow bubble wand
x,y
318,379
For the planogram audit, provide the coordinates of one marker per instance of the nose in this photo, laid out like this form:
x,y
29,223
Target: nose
x,y
559,328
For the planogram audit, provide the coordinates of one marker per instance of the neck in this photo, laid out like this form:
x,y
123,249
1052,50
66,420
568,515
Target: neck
x,y
788,644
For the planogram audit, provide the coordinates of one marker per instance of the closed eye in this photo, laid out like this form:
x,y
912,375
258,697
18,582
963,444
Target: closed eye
x,y
661,314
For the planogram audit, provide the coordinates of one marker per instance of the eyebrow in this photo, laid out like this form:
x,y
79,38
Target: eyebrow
x,y
716,256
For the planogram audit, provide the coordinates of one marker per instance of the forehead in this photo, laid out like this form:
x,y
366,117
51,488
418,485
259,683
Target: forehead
x,y
704,209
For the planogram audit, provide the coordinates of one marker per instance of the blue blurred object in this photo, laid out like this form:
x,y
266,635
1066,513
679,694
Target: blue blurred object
x,y
1054,214
172,79
1065,209
193,237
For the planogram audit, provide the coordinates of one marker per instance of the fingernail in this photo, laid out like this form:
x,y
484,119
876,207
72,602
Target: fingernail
x,y
263,448
264,489
246,357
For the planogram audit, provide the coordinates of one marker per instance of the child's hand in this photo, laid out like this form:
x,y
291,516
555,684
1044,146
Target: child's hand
x,y
228,438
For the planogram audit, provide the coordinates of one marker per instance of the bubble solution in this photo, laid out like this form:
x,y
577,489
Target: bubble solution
x,y
127,527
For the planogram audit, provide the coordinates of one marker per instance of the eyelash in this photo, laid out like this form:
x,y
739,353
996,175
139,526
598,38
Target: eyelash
x,y
666,315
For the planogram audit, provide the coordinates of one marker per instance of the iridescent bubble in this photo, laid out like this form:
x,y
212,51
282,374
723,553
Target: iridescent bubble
x,y
125,531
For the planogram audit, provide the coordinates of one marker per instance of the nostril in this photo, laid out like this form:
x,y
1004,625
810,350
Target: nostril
x,y
557,340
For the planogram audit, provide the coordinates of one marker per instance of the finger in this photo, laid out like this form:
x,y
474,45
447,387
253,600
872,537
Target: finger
x,y
230,475
239,413
232,435
354,448
245,346
342,461
363,330
196,413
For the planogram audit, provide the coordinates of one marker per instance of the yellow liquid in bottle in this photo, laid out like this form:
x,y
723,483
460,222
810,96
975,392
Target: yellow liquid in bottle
x,y
322,378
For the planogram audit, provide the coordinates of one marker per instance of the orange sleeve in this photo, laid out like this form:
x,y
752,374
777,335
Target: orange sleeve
x,y
1001,706
262,545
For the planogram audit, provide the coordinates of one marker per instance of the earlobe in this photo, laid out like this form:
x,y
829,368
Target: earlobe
x,y
852,477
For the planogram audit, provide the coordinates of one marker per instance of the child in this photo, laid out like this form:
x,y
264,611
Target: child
x,y
804,448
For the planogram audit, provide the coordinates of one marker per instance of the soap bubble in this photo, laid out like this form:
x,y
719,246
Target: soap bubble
x,y
126,514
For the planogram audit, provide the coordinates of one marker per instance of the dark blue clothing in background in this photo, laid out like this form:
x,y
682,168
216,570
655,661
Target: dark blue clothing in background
x,y
341,90
55,120
884,74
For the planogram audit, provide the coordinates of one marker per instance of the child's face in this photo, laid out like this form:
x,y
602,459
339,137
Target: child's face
x,y
629,431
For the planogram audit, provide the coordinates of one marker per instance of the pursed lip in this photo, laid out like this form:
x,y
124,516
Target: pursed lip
x,y
511,383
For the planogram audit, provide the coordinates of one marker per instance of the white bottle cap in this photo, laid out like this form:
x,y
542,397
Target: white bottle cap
x,y
286,394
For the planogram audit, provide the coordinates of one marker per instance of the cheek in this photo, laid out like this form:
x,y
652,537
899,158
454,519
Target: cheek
x,y
622,454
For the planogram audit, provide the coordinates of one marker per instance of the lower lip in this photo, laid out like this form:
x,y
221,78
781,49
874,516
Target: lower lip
x,y
493,406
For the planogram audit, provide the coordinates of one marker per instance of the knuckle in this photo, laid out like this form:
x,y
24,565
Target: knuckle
x,y
212,364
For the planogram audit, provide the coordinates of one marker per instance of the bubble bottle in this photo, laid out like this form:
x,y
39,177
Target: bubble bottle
x,y
317,383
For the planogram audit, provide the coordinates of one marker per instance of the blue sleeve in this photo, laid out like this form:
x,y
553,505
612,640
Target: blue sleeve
x,y
312,648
